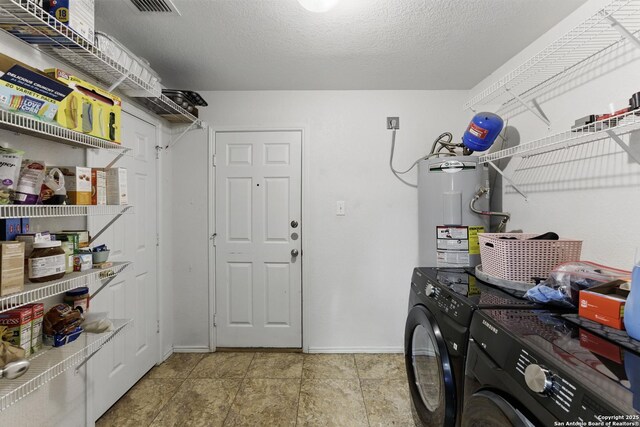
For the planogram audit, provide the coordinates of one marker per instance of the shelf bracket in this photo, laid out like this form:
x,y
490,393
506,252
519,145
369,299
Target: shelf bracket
x,y
117,83
118,157
515,187
109,224
183,133
623,31
624,146
104,285
537,112
107,341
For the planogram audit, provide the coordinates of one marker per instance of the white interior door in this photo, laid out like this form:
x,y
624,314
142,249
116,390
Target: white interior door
x,y
132,294
258,244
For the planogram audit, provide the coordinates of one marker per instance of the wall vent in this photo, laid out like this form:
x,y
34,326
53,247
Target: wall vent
x,y
155,6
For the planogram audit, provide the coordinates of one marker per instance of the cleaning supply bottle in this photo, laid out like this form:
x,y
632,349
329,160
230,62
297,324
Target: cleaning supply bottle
x,y
632,307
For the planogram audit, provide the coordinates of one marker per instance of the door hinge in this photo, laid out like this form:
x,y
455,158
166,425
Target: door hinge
x,y
157,326
215,325
157,239
213,161
158,150
213,238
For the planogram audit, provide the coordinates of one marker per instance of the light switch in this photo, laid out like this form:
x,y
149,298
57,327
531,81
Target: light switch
x,y
340,208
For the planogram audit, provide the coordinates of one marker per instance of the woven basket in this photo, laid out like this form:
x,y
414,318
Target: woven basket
x,y
521,260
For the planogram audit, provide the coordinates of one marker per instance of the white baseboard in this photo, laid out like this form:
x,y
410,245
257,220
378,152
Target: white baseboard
x,y
356,350
190,349
167,354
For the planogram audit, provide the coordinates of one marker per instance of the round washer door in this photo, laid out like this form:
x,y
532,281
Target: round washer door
x,y
431,381
488,409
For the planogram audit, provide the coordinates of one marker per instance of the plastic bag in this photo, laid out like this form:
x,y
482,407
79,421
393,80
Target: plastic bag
x,y
568,279
53,191
10,164
31,177
97,323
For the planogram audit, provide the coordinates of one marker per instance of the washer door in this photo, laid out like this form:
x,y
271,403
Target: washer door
x,y
488,409
431,381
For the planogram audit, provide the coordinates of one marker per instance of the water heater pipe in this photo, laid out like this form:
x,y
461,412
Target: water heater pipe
x,y
506,215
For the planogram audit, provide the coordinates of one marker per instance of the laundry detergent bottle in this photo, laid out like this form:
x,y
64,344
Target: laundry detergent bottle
x,y
632,307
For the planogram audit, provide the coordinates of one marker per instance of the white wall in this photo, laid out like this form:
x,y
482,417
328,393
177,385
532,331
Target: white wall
x,y
358,267
597,197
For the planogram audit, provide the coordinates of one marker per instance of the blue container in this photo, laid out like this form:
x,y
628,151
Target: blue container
x,y
482,131
632,307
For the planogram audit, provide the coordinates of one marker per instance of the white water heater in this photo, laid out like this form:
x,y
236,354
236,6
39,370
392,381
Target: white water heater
x,y
448,228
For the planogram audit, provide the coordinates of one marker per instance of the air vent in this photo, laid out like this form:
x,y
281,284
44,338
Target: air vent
x,y
155,6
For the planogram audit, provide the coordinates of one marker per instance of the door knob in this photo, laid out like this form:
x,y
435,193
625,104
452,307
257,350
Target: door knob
x,y
294,224
294,253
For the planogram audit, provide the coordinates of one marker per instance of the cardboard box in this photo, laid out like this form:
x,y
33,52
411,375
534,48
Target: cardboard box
x,y
79,15
26,227
88,108
37,317
82,262
77,181
18,323
26,90
10,228
117,186
604,304
98,187
83,237
11,267
30,239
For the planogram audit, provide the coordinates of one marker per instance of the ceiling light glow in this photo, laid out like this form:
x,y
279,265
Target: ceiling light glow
x,y
318,5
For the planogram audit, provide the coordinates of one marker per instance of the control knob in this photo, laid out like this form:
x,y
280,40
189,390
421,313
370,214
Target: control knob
x,y
429,290
538,379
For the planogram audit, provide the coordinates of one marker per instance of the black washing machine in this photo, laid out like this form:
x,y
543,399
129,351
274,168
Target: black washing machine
x,y
535,368
441,305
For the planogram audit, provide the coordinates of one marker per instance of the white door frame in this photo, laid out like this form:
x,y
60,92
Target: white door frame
x,y
212,222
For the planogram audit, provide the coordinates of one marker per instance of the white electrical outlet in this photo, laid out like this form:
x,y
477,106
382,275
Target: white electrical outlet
x,y
340,208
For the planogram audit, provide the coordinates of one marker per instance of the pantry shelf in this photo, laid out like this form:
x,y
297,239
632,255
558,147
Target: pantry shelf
x,y
44,211
62,43
613,128
50,362
31,126
612,27
37,292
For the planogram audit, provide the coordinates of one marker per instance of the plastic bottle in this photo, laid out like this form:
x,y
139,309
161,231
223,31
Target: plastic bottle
x,y
632,307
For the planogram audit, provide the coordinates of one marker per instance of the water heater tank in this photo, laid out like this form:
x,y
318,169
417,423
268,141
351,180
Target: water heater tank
x,y
448,229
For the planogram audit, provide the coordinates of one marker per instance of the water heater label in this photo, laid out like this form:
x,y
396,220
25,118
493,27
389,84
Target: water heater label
x,y
453,245
474,241
452,259
456,233
477,131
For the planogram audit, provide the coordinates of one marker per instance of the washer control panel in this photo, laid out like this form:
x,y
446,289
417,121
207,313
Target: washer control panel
x,y
446,303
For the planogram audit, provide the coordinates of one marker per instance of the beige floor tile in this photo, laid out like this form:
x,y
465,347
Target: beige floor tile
x,y
330,402
223,365
141,404
265,402
387,402
276,365
178,365
329,366
199,402
380,366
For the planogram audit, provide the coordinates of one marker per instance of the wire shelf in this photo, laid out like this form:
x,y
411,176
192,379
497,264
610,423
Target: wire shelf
x,y
55,38
45,211
31,126
616,126
35,292
50,362
592,37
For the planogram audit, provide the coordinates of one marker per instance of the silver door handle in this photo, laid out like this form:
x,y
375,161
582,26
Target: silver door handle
x,y
294,253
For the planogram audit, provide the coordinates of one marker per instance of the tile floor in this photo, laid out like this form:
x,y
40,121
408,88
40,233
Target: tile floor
x,y
268,389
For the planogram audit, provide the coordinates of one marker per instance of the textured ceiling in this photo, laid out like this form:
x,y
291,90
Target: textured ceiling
x,y
361,44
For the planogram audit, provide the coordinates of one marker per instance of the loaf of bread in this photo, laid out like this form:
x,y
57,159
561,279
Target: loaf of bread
x,y
61,319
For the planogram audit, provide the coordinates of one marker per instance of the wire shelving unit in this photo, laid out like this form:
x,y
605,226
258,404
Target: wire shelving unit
x,y
611,27
46,211
34,292
50,362
61,42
